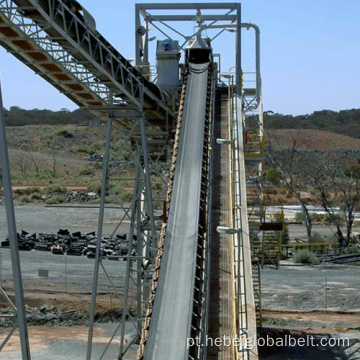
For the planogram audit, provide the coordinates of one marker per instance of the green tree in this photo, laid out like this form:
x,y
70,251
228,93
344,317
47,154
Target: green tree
x,y
273,176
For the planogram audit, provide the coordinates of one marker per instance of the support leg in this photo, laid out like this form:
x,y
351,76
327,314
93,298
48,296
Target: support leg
x,y
98,244
14,247
125,309
148,189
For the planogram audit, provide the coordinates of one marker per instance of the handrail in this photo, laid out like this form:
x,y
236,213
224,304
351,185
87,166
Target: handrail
x,y
246,322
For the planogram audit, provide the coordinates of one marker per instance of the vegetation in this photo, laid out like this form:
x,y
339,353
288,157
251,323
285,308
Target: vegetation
x,y
344,122
330,120
56,154
273,176
332,183
291,165
351,250
305,257
54,200
16,116
337,190
316,218
65,133
87,172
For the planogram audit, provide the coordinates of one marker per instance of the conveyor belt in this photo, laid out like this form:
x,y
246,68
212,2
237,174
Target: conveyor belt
x,y
173,310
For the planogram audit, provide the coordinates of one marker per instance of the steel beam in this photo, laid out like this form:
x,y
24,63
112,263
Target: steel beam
x,y
238,52
148,187
14,246
125,309
192,17
99,238
188,6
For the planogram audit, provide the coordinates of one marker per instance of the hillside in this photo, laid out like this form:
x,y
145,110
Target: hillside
x,y
313,139
58,154
346,122
19,117
50,149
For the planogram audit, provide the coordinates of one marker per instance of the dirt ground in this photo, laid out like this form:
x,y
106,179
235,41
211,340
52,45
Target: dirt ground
x,y
320,287
321,300
68,343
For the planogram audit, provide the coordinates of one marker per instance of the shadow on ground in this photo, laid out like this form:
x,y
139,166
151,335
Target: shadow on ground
x,y
322,347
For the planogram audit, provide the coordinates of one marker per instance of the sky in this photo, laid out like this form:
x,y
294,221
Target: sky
x,y
310,54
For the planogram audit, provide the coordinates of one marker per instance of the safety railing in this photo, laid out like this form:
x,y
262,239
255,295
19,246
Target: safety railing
x,y
255,144
246,323
149,72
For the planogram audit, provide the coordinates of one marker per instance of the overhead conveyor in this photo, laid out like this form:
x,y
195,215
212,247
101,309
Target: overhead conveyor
x,y
53,39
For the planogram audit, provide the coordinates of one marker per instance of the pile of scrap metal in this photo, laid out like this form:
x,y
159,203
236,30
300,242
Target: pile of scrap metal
x,y
112,248
72,244
26,241
78,196
64,242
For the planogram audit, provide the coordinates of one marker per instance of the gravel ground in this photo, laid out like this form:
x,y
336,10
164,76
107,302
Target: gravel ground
x,y
38,218
69,276
303,287
322,300
68,285
69,343
288,290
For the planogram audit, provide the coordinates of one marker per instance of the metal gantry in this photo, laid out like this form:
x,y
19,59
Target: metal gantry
x,y
54,39
227,17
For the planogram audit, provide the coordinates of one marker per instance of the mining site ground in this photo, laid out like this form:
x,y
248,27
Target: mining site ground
x,y
323,300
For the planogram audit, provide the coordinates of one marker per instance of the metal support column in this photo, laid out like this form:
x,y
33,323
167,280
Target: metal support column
x,y
148,188
238,51
125,309
143,217
257,59
14,247
140,251
99,236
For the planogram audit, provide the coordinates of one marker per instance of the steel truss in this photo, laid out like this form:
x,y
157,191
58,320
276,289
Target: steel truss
x,y
28,41
8,316
56,43
143,225
228,17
